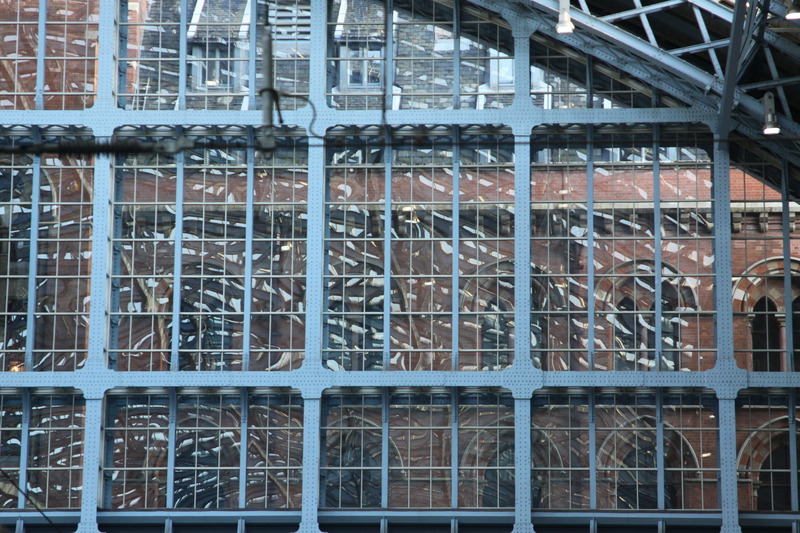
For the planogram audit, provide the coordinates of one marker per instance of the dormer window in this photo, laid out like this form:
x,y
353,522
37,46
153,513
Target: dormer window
x,y
213,69
363,67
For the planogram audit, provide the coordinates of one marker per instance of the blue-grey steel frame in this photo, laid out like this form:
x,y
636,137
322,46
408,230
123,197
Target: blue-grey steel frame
x,y
522,378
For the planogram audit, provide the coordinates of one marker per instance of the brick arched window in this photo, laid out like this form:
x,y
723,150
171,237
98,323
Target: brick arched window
x,y
766,336
774,491
762,308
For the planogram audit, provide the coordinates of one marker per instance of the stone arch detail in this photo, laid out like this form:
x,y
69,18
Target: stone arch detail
x,y
612,457
754,283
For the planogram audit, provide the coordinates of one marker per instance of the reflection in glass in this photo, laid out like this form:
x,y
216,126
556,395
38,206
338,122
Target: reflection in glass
x,y
55,451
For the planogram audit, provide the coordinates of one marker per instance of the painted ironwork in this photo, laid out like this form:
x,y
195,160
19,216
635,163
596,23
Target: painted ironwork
x,y
312,379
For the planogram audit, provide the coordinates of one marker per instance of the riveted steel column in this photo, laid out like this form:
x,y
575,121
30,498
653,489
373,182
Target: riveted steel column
x,y
522,202
247,305
522,378
387,251
454,447
388,62
183,54
726,378
727,464
116,265
41,53
252,61
177,264
592,452
658,320
522,254
311,464
384,447
92,444
457,57
311,376
315,248
106,37
455,231
522,464
95,362
244,405
33,261
590,264
101,203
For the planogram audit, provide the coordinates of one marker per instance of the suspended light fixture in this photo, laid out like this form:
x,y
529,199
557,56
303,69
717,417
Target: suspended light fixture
x,y
565,24
793,13
771,126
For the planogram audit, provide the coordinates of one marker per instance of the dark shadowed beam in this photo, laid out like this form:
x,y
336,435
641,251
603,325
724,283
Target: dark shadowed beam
x,y
731,70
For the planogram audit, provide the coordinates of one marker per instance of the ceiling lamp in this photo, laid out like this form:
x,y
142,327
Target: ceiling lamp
x,y
771,126
565,24
793,13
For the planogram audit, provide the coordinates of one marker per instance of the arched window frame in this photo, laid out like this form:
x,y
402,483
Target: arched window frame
x,y
766,280
755,465
632,312
616,453
497,316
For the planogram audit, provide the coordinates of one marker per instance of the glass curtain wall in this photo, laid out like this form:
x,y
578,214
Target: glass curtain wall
x,y
423,315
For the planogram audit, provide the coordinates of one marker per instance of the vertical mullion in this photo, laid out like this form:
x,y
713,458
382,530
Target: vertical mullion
x,y
24,446
590,263
30,320
116,263
660,449
107,436
792,449
388,50
41,52
247,307
658,274
171,445
177,265
244,405
120,40
388,155
592,452
787,271
455,228
454,447
251,58
589,82
98,282
316,223
182,54
385,447
457,56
